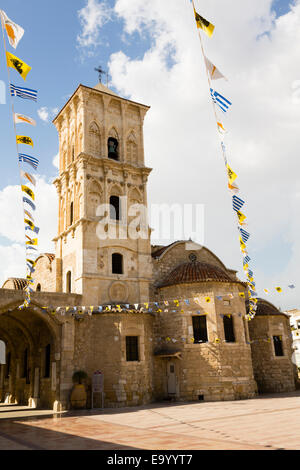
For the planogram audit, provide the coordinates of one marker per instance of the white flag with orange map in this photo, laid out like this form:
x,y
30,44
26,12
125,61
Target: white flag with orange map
x,y
214,73
13,30
19,118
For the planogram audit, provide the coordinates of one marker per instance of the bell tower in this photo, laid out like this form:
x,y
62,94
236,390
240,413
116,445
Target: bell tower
x,y
103,244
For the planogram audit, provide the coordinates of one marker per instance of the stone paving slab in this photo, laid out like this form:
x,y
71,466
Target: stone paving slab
x,y
268,422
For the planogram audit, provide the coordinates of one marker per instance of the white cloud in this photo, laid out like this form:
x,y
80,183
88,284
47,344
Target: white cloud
x,y
12,246
92,17
259,55
43,114
55,161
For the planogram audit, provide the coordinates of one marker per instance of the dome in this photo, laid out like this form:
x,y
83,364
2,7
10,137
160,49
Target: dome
x,y
265,308
195,272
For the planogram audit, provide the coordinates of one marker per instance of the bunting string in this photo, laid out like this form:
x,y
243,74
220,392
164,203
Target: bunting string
x,y
220,103
15,33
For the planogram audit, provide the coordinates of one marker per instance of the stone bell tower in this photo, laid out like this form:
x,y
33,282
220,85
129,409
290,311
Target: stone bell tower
x,y
103,244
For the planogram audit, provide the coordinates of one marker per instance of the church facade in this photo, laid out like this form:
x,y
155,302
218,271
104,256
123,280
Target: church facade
x,y
172,319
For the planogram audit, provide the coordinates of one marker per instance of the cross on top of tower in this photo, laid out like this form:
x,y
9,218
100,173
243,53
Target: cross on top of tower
x,y
100,72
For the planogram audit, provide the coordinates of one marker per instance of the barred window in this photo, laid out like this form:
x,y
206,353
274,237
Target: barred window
x,y
132,348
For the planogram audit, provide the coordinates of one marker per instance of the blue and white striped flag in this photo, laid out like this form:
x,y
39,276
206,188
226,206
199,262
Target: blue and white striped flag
x,y
237,203
25,199
250,273
246,260
21,92
220,100
245,235
35,229
34,162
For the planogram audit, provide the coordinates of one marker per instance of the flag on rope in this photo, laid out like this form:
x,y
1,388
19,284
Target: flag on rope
x,y
29,202
31,248
34,162
13,30
21,92
231,174
250,273
241,217
32,241
278,289
214,73
237,203
28,215
35,230
29,177
21,118
220,100
24,139
245,235
203,24
18,64
246,259
233,188
291,286
31,224
28,191
221,128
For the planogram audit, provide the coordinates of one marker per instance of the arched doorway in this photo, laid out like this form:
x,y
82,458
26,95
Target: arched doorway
x,y
30,374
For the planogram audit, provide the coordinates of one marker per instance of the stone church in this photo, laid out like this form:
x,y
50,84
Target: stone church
x,y
172,319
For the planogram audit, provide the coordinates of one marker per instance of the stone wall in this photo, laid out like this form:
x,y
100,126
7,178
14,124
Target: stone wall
x,y
216,370
272,373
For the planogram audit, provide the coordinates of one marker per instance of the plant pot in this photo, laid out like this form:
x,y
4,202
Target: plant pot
x,y
78,396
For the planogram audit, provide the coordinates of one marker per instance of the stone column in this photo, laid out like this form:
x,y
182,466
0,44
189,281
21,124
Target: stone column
x,y
66,365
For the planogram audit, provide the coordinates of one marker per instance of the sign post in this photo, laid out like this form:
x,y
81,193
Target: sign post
x,y
98,386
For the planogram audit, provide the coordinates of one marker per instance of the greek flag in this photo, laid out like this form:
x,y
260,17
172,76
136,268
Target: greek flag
x,y
35,230
25,199
237,203
34,162
246,260
21,92
245,235
250,273
291,286
218,99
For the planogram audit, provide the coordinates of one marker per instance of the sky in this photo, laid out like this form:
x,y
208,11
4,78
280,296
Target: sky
x,y
152,53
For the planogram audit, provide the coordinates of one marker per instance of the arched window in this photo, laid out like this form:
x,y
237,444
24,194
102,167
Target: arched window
x,y
38,288
117,263
71,213
115,208
47,361
69,282
112,145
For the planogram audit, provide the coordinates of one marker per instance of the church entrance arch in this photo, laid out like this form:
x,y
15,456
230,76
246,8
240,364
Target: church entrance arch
x,y
30,374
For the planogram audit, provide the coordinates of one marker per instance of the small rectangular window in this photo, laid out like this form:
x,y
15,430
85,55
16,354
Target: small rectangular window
x,y
228,329
277,341
200,329
132,348
226,302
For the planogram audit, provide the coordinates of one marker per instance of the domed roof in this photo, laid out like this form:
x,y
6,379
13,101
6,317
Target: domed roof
x,y
18,283
195,271
265,308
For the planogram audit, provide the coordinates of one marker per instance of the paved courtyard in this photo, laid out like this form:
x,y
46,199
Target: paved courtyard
x,y
268,422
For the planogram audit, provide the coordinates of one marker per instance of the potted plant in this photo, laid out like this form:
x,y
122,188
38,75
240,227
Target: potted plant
x,y
79,395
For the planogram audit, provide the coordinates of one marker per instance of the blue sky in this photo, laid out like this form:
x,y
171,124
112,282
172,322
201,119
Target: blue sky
x,y
59,63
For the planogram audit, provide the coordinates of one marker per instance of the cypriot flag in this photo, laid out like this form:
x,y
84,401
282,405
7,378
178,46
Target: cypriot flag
x,y
214,73
19,118
13,30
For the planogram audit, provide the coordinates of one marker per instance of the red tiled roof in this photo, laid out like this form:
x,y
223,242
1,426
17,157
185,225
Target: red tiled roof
x,y
195,272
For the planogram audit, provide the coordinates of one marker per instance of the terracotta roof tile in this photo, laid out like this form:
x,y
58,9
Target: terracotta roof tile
x,y
195,272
